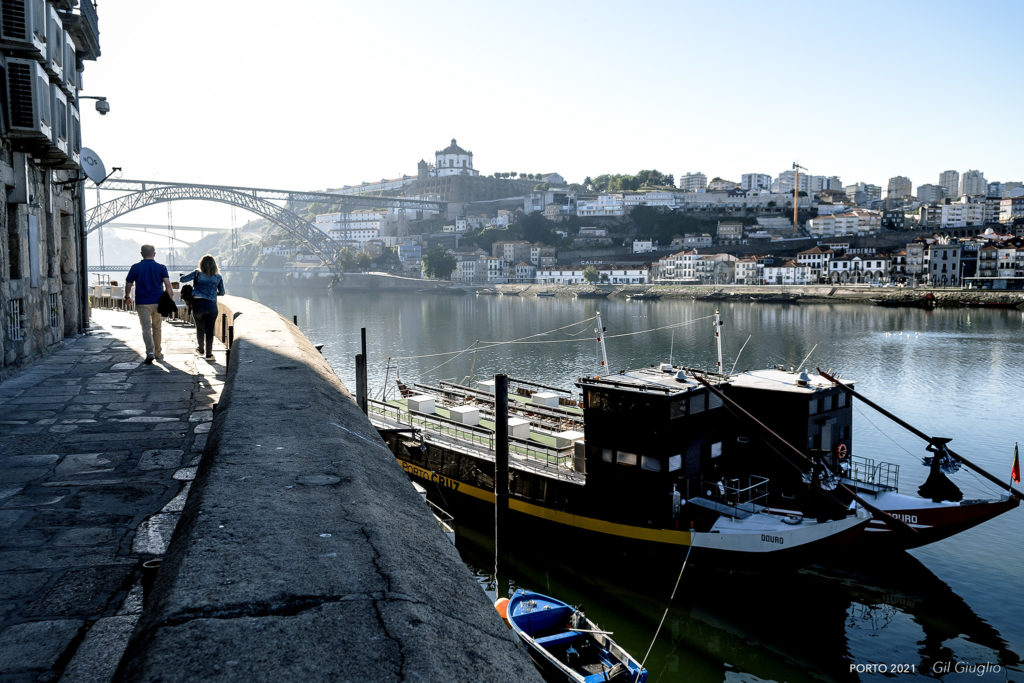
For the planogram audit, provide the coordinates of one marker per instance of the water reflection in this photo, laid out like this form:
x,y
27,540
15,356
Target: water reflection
x,y
809,624
950,372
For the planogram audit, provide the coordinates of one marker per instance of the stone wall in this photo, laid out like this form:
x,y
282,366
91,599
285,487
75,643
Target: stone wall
x,y
304,552
40,261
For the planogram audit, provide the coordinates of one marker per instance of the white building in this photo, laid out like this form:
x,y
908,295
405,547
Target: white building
x,y
602,205
788,273
665,198
680,267
623,275
849,223
695,241
973,183
693,182
354,227
857,269
755,182
951,181
453,160
643,246
962,213
748,271
560,276
817,260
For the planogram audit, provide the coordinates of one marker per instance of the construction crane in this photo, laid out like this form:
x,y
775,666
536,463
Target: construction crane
x,y
796,187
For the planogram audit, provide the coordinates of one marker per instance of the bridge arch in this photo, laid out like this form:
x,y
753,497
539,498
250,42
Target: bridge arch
x,y
322,245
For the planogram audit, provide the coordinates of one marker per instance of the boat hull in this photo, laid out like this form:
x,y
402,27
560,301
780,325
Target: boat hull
x,y
931,521
565,645
765,541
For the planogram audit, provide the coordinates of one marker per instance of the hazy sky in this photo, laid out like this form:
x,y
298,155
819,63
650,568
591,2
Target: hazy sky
x,y
312,94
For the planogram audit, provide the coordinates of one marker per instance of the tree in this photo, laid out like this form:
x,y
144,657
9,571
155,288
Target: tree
x,y
535,228
438,263
591,274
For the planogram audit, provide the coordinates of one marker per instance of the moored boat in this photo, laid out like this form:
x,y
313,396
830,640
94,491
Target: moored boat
x,y
650,469
816,409
926,302
564,643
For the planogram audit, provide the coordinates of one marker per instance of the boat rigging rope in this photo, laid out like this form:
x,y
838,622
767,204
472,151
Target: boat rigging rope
x,y
484,345
983,483
670,599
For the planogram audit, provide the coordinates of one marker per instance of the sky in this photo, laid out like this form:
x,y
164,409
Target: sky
x,y
315,94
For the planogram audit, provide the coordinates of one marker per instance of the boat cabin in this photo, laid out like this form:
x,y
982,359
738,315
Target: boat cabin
x,y
650,433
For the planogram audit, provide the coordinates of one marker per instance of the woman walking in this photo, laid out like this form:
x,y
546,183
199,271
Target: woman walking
x,y
208,285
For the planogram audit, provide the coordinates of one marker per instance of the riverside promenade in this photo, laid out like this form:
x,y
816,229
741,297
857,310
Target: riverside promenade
x,y
292,544
97,454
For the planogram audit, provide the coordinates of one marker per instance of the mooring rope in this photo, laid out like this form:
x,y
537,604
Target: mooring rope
x,y
670,599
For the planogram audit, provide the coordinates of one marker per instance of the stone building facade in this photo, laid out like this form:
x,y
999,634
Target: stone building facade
x,y
43,276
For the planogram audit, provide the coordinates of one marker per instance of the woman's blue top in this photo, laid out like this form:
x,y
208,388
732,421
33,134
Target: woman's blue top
x,y
206,286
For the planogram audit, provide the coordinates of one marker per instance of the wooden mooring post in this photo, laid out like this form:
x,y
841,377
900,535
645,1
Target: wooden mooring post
x,y
361,391
500,478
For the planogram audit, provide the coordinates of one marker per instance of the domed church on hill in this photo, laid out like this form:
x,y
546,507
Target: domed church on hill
x,y
452,160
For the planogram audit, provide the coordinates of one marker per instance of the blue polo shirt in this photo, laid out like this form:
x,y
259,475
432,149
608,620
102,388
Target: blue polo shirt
x,y
148,276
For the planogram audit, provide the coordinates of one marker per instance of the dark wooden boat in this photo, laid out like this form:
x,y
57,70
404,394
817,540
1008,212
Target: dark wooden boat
x,y
816,410
926,302
566,645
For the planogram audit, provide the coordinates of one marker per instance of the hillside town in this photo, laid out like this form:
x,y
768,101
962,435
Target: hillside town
x,y
793,228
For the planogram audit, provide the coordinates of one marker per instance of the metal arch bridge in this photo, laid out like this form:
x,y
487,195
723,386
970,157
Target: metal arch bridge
x,y
142,193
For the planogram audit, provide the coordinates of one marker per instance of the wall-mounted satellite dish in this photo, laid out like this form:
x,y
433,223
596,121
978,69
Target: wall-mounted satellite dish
x,y
93,166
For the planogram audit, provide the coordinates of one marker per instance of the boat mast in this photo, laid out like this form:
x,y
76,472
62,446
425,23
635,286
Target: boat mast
x,y
718,340
600,342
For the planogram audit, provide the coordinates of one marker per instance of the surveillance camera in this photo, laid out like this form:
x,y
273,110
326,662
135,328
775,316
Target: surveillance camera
x,y
102,106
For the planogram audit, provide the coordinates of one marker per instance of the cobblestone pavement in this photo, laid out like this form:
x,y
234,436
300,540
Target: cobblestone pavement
x,y
97,453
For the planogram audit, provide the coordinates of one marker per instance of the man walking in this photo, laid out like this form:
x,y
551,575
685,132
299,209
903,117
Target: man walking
x,y
147,275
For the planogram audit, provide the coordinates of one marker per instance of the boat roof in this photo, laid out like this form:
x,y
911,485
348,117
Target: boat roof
x,y
778,379
670,380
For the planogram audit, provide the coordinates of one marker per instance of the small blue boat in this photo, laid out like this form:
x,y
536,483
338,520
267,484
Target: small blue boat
x,y
566,645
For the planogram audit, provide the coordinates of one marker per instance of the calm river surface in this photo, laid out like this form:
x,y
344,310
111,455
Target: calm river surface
x,y
953,605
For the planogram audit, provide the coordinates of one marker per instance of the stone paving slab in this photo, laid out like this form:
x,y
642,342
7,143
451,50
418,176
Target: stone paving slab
x,y
95,449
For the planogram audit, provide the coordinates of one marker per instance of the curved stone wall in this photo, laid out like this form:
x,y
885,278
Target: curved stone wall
x,y
303,551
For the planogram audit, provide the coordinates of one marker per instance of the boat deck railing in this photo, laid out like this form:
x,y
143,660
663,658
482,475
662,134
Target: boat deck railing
x,y
877,475
740,493
478,441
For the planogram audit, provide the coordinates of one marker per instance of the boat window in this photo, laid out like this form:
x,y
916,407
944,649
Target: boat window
x,y
626,458
714,402
841,400
677,408
608,455
650,463
812,406
675,462
828,402
697,403
716,449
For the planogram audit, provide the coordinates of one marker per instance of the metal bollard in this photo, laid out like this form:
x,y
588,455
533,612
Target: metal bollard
x,y
223,328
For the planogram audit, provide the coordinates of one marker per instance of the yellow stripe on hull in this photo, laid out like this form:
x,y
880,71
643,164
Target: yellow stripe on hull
x,y
664,536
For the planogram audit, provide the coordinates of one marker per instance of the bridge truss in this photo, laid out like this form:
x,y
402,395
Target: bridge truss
x,y
142,193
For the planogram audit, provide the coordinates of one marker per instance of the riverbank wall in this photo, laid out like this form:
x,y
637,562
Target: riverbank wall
x,y
853,294
303,552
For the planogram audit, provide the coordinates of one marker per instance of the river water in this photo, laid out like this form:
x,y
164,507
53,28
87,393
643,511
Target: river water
x,y
953,610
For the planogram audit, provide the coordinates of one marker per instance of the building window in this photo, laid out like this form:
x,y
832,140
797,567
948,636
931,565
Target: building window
x,y
13,243
54,311
14,330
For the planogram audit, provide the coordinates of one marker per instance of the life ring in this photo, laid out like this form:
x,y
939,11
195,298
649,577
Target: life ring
x,y
841,451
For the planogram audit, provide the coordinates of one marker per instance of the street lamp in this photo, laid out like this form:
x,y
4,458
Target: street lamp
x,y
102,106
